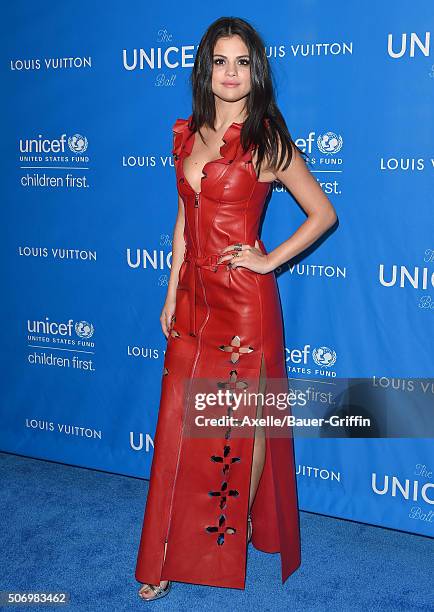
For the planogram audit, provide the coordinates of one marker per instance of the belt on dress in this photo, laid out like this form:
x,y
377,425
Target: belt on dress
x,y
209,262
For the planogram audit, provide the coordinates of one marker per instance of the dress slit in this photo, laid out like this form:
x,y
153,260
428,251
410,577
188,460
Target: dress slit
x,y
228,331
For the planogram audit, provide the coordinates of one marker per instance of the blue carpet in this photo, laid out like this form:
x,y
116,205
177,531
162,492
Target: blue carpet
x,y
77,530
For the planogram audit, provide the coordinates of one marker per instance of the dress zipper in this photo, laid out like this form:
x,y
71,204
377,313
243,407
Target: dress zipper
x,y
196,206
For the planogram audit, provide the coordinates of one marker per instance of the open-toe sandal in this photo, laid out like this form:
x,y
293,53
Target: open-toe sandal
x,y
249,528
158,590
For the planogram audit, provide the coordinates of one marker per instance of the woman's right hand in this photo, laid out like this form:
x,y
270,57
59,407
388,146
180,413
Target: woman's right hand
x,y
166,316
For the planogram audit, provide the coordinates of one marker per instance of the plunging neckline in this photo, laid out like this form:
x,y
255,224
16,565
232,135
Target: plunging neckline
x,y
211,161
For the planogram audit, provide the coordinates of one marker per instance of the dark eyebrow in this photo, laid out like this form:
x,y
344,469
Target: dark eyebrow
x,y
238,56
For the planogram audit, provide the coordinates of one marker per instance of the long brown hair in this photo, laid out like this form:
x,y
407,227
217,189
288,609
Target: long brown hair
x,y
265,126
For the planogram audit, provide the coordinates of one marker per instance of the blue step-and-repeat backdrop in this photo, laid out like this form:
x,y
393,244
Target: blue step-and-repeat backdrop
x,y
90,93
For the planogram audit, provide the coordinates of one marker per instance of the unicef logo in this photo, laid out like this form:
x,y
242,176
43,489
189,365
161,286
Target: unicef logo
x,y
324,356
83,329
329,143
77,143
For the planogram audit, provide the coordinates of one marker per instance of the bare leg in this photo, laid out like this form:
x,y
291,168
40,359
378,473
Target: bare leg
x,y
145,592
259,443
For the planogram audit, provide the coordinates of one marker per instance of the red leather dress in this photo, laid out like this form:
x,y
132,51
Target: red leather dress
x,y
225,320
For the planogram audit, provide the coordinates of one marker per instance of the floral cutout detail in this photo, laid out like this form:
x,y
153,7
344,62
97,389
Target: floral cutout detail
x,y
235,348
221,529
233,382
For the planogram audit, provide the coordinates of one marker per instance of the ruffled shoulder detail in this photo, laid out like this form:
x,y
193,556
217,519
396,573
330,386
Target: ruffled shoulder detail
x,y
231,138
181,132
228,151
232,147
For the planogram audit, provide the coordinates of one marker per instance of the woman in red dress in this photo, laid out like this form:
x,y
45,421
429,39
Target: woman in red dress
x,y
210,495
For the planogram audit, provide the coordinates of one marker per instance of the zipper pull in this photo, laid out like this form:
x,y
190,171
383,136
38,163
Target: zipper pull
x,y
196,198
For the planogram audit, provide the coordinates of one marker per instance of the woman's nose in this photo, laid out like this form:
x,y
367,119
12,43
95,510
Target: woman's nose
x,y
231,70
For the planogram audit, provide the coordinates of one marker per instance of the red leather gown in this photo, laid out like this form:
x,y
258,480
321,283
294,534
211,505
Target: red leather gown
x,y
225,320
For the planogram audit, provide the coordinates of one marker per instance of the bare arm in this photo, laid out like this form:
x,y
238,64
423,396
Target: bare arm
x,y
308,193
178,249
